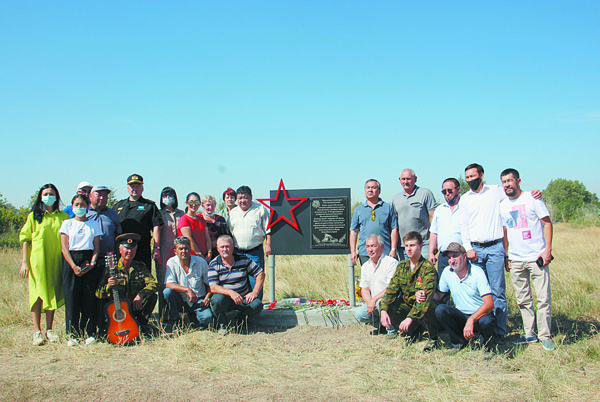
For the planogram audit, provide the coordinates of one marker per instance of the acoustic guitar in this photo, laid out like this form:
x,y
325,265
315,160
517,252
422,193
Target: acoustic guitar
x,y
122,328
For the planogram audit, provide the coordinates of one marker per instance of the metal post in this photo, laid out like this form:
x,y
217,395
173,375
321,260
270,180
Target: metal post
x,y
351,288
271,278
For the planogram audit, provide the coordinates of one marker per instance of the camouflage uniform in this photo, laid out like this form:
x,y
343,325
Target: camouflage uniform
x,y
399,299
139,280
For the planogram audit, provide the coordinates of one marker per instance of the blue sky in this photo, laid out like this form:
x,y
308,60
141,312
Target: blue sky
x,y
204,95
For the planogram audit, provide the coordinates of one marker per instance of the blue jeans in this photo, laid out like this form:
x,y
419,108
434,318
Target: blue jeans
x,y
198,314
373,319
258,256
491,260
454,320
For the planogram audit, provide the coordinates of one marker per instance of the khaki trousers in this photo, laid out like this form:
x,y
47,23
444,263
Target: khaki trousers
x,y
523,275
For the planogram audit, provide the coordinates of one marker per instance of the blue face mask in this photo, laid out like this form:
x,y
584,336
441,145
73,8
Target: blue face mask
x,y
168,201
49,200
79,212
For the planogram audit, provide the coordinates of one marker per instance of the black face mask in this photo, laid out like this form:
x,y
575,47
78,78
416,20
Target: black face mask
x,y
453,200
474,184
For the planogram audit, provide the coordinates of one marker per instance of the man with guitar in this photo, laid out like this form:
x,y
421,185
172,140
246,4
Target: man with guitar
x,y
132,280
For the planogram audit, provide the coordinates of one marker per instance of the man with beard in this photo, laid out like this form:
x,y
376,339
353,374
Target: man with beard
x,y
445,225
529,232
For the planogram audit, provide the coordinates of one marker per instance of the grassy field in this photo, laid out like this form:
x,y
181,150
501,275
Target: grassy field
x,y
316,364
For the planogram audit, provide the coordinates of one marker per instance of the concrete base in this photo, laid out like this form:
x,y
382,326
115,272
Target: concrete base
x,y
318,317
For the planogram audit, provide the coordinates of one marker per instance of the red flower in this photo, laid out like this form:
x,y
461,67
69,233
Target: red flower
x,y
420,279
272,305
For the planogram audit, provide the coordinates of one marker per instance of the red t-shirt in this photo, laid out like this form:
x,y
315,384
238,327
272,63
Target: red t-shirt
x,y
197,225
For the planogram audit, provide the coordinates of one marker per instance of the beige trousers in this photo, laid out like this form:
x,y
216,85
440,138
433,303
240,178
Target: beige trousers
x,y
523,275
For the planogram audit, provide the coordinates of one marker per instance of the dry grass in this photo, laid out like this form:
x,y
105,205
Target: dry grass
x,y
314,364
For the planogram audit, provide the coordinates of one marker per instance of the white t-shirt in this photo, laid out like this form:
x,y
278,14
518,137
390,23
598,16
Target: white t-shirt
x,y
81,234
525,229
377,278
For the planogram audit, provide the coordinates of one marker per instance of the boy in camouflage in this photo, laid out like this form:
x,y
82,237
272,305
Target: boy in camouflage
x,y
399,307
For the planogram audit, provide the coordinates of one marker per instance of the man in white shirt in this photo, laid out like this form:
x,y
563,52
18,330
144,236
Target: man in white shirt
x,y
375,275
248,223
482,233
186,286
529,233
445,225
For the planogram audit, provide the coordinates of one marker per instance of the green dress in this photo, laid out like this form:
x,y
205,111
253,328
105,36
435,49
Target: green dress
x,y
45,261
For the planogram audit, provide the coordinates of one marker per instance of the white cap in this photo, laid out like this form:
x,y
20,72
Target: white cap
x,y
83,184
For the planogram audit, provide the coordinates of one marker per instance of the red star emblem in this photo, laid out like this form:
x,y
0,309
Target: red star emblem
x,y
277,198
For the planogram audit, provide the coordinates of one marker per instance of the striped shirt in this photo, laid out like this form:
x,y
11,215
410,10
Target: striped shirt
x,y
235,279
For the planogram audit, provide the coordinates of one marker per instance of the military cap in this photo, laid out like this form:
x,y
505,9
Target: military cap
x,y
454,248
135,178
128,240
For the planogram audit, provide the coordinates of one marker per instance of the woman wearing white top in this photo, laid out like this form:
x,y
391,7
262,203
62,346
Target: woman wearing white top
x,y
80,245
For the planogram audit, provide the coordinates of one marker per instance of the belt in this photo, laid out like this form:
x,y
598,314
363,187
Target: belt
x,y
486,244
250,249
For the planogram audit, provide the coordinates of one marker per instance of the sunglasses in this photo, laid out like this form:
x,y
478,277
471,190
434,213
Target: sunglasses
x,y
447,192
372,214
193,203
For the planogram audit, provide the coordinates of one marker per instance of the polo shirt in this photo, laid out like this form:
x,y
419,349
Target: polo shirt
x,y
385,221
249,228
413,212
468,292
446,225
235,279
480,215
377,277
196,279
111,227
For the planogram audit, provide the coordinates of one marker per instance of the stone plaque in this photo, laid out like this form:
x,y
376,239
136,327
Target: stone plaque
x,y
329,222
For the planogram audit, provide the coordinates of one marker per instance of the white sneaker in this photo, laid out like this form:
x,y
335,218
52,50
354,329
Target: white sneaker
x,y
73,342
90,340
38,338
51,336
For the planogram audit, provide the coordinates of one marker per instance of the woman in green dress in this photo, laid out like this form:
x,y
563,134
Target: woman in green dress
x,y
42,260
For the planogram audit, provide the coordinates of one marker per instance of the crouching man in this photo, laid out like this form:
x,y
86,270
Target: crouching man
x,y
229,279
472,297
375,275
399,307
186,286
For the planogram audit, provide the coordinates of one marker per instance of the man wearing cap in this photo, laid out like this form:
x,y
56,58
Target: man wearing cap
x,y
83,188
133,280
472,297
141,216
186,285
228,277
414,208
529,232
445,225
373,217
